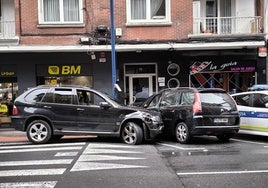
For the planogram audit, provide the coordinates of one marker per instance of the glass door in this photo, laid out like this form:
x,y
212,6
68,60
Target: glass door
x,y
140,88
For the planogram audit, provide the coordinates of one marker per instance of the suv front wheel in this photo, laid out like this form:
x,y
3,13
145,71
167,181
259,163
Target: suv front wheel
x,y
39,132
132,133
182,133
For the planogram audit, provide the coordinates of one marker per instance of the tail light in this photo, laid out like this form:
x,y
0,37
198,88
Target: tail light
x,y
15,110
197,107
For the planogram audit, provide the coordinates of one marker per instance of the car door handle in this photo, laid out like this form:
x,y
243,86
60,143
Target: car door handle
x,y
47,107
80,109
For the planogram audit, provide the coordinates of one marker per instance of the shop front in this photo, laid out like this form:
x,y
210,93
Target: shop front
x,y
231,74
64,74
8,91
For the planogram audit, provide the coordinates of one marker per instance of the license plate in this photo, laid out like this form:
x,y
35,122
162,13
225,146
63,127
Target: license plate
x,y
221,120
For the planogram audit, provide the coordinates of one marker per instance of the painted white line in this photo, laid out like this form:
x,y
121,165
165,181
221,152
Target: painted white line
x,y
66,154
40,149
105,157
250,142
89,150
225,172
82,166
112,146
36,162
41,184
43,145
32,172
182,148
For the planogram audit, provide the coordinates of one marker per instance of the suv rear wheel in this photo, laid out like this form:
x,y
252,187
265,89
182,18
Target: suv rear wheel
x,y
182,133
39,132
132,134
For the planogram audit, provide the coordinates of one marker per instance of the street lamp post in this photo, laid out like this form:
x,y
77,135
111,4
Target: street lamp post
x,y
113,48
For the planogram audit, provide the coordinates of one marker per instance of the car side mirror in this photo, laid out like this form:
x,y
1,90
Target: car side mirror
x,y
105,105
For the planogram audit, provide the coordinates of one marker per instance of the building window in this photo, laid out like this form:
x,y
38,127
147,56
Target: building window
x,y
60,11
150,11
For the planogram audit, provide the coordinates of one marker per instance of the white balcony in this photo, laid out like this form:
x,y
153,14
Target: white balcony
x,y
7,33
226,25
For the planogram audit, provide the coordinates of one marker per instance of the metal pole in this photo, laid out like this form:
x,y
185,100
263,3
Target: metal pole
x,y
113,48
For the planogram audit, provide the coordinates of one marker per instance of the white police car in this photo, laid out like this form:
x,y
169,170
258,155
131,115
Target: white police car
x,y
253,110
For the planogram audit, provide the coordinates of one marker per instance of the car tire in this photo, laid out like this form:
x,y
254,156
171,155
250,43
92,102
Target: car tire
x,y
39,132
224,137
182,133
132,134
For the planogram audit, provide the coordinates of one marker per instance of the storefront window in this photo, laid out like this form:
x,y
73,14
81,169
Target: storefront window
x,y
69,80
8,93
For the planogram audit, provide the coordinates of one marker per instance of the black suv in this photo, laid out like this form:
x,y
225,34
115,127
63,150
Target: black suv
x,y
49,112
189,111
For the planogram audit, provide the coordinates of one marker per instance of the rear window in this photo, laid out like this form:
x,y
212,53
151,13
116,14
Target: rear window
x,y
36,95
218,99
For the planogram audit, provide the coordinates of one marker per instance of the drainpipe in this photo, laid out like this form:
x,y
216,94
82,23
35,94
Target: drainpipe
x,y
113,48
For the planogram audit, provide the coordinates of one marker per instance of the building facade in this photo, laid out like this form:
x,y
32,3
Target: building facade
x,y
159,44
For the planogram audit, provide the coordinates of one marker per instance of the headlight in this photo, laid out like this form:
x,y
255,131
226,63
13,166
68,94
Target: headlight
x,y
148,118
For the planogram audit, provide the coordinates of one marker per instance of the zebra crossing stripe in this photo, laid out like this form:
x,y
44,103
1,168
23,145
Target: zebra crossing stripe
x,y
40,149
89,150
82,166
66,154
41,184
105,157
41,146
36,162
32,172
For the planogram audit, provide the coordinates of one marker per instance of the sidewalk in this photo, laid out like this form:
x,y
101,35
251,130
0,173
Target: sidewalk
x,y
9,134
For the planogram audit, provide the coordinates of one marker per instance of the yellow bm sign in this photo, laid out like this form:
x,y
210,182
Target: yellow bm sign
x,y
64,70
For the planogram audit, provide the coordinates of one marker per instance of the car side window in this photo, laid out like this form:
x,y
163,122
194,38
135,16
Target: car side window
x,y
259,100
94,99
83,97
187,98
242,100
63,96
170,99
36,95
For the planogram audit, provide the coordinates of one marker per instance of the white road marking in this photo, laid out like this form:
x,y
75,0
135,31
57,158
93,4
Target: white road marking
x,y
89,150
93,153
32,172
40,149
112,146
226,172
36,162
250,142
42,145
105,158
66,154
82,166
41,184
182,148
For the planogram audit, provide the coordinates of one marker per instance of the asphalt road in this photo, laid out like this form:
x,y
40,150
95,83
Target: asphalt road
x,y
92,162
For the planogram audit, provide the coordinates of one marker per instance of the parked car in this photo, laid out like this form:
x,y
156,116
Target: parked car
x,y
253,110
187,112
49,112
258,87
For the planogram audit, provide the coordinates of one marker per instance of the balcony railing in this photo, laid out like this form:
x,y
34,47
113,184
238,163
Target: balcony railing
x,y
7,29
227,25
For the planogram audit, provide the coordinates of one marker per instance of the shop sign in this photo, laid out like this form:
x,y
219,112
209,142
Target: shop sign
x,y
210,66
64,70
7,73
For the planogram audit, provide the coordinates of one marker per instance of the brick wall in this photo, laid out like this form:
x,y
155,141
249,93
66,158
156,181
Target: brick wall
x,y
98,13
